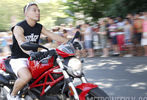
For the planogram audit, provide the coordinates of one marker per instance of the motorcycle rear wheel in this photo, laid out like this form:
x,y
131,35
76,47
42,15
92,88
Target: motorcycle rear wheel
x,y
96,94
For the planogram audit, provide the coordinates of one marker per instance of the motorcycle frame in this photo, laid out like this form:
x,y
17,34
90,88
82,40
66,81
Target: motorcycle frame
x,y
47,75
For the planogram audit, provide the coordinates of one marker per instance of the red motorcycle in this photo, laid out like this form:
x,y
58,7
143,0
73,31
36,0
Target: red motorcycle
x,y
53,74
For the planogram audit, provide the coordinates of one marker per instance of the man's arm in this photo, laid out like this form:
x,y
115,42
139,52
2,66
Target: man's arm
x,y
53,36
18,33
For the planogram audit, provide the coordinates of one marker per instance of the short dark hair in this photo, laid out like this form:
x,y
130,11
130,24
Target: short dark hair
x,y
127,19
78,27
28,5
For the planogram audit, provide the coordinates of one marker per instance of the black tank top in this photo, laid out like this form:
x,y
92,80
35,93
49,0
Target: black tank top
x,y
32,34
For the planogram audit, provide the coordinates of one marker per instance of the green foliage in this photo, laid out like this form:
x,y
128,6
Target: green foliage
x,y
49,12
101,8
9,8
91,9
123,7
53,12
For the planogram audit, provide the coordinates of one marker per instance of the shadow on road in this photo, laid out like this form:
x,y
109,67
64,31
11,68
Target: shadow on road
x,y
118,76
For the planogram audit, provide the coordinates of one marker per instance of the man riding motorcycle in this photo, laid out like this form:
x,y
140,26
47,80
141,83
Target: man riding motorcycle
x,y
27,30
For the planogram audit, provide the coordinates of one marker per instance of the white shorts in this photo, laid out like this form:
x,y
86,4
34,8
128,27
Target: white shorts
x,y
17,64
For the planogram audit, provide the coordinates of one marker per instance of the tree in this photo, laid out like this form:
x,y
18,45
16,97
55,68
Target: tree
x,y
123,7
102,8
91,8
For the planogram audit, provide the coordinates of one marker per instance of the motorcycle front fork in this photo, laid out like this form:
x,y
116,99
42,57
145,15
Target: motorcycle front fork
x,y
69,80
83,79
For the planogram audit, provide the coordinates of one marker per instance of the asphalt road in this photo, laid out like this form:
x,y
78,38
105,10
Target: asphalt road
x,y
119,76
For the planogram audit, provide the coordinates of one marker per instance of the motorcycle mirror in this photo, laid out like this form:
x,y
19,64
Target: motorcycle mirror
x,y
76,36
29,46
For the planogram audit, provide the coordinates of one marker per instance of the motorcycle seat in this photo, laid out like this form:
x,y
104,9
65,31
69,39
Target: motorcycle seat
x,y
8,67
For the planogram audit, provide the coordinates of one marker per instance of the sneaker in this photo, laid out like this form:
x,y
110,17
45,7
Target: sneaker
x,y
9,97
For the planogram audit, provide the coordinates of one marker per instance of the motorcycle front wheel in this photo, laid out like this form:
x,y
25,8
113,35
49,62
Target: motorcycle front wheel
x,y
96,94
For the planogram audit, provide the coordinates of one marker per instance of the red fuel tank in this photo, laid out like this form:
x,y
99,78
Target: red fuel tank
x,y
37,68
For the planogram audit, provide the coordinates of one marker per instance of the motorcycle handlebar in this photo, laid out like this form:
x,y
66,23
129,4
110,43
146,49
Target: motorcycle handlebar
x,y
41,55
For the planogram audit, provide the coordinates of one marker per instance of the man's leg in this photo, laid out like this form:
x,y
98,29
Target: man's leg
x,y
24,76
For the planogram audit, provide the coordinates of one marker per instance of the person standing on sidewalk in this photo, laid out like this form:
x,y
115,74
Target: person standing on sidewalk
x,y
144,36
103,38
113,34
128,32
88,40
120,34
138,30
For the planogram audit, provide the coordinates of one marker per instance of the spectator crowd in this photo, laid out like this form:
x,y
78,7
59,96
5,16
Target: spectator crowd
x,y
110,36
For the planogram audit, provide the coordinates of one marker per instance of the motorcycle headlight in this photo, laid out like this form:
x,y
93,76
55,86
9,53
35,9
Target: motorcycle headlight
x,y
74,67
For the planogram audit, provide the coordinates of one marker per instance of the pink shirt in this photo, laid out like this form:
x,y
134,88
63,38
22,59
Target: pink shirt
x,y
145,26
